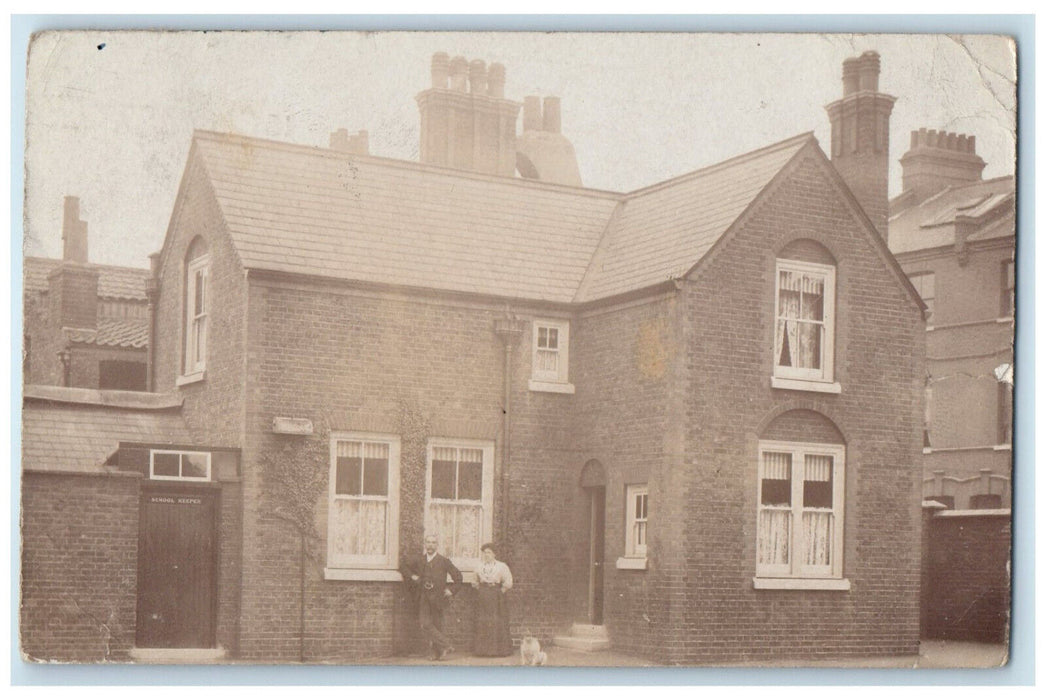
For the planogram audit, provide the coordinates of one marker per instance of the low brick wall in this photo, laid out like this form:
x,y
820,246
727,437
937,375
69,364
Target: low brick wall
x,y
79,566
966,576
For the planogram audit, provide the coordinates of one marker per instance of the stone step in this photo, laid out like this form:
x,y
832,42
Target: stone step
x,y
579,629
178,656
581,643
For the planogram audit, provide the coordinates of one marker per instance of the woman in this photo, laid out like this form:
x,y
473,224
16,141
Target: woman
x,y
492,637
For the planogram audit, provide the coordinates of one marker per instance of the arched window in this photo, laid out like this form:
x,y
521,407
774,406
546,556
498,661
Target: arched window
x,y
799,527
197,302
804,318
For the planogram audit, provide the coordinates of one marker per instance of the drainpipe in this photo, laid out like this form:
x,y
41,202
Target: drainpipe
x,y
509,329
152,292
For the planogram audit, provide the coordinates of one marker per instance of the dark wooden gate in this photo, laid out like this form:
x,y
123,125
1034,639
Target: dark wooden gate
x,y
177,566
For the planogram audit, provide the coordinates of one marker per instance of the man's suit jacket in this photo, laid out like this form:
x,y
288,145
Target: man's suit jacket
x,y
432,577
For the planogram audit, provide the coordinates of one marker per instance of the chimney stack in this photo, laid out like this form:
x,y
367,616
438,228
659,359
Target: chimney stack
x,y
466,122
73,285
74,232
936,160
861,136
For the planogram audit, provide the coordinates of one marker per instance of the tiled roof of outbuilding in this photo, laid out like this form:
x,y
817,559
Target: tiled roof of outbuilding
x,y
115,332
113,282
326,213
79,434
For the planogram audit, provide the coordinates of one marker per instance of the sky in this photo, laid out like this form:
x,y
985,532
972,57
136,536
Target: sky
x,y
110,115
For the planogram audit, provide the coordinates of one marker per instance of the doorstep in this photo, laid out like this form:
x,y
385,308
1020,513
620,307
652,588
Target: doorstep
x,y
177,656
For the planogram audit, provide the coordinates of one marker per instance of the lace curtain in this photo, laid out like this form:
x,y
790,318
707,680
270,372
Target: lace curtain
x,y
800,319
359,512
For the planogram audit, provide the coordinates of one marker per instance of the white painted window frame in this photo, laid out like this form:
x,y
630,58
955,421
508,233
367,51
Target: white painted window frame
x,y
195,365
778,576
180,453
465,564
558,381
800,377
361,566
633,549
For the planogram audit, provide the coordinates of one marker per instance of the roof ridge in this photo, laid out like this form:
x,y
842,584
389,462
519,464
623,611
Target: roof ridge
x,y
108,266
409,164
729,162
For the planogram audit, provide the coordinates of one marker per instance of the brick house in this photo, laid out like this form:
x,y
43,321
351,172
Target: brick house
x,y
86,325
954,235
688,414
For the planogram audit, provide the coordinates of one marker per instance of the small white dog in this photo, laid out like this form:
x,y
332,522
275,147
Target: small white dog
x,y
530,653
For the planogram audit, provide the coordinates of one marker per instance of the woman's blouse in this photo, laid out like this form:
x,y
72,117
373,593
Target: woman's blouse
x,y
496,572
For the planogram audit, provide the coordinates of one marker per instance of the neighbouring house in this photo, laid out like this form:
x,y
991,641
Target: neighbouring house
x,y
954,235
85,325
690,415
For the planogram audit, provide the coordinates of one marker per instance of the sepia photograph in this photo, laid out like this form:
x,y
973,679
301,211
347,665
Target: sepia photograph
x,y
518,349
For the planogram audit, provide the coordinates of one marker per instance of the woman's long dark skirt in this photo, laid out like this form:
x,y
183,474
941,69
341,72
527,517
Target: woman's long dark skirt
x,y
492,636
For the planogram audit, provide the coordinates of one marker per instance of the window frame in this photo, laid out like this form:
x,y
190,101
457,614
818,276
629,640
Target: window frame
x,y
543,380
193,365
794,570
798,377
1008,297
385,562
181,453
633,549
486,501
931,303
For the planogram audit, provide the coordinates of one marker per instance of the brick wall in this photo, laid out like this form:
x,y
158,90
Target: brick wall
x,y
878,362
357,361
629,360
74,296
966,577
213,407
79,566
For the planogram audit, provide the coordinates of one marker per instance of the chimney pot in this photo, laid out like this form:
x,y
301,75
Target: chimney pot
x,y
850,79
458,73
440,69
478,77
971,144
531,113
496,80
552,121
869,71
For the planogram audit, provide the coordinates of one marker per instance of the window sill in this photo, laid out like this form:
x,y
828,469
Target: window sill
x,y
802,584
632,563
190,378
361,574
806,385
552,387
1005,447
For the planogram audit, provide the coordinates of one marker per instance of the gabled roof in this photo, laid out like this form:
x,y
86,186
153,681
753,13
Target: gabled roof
x,y
113,332
931,224
664,230
76,430
326,213
113,282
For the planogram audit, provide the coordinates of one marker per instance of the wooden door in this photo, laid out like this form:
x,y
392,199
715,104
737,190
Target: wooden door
x,y
177,566
597,524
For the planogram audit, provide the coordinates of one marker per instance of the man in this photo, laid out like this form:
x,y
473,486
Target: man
x,y
427,574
